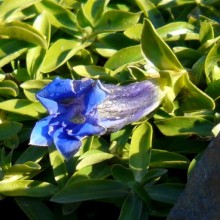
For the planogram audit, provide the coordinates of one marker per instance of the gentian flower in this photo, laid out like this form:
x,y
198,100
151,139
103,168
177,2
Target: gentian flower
x,y
81,108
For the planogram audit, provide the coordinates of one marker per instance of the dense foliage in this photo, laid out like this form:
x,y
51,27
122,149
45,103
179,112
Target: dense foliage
x,y
139,171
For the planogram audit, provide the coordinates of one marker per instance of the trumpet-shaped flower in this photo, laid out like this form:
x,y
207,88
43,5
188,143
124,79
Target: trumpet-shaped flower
x,y
81,108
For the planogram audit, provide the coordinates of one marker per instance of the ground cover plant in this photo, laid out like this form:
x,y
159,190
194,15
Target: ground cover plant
x,y
138,171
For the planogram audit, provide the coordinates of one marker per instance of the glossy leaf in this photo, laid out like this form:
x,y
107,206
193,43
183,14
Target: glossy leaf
x,y
119,139
122,174
213,89
157,51
95,189
94,9
10,50
58,165
9,128
23,107
131,208
166,159
8,88
96,171
185,125
61,51
134,32
32,153
32,188
58,16
139,153
9,7
151,12
194,99
124,57
178,30
116,20
108,44
167,192
22,171
92,157
95,72
153,175
139,190
206,31
22,31
36,55
211,63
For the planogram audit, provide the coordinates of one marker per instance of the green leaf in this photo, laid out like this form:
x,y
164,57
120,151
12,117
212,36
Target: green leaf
x,y
116,20
61,51
10,50
124,57
119,139
139,190
8,87
95,72
187,56
194,99
151,12
197,75
96,171
36,54
9,128
134,32
139,153
22,171
212,63
95,189
178,30
157,51
58,16
22,31
9,7
166,192
213,89
94,10
92,157
32,188
57,162
23,107
166,159
185,125
108,44
32,153
131,208
122,174
206,31
153,175
34,208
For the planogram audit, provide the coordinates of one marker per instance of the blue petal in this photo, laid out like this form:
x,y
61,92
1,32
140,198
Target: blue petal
x,y
95,95
91,126
65,144
39,135
54,95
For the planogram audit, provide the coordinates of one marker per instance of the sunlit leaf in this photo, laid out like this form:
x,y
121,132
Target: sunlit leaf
x,y
32,188
95,189
116,20
156,50
139,153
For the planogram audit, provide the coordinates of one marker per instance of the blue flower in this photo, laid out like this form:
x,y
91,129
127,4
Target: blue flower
x,y
81,108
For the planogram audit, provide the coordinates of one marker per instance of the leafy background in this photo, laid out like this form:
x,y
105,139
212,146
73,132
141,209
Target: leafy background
x,y
139,171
